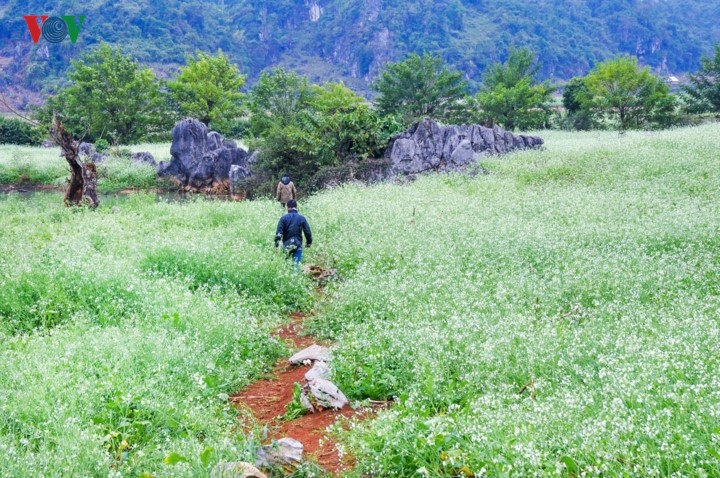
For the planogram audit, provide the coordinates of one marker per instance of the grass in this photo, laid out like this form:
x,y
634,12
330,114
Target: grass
x,y
35,166
587,273
557,317
123,330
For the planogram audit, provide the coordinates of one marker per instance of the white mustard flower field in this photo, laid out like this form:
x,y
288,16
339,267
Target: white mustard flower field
x,y
559,316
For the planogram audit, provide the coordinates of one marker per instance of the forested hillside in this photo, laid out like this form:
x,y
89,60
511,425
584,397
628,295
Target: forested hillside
x,y
352,40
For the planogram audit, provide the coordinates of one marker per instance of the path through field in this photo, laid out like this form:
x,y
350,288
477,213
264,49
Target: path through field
x,y
268,400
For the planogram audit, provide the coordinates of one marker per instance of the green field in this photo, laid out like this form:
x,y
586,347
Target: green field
x,y
589,270
36,166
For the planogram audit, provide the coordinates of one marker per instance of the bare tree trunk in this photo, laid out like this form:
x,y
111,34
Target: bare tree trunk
x,y
83,178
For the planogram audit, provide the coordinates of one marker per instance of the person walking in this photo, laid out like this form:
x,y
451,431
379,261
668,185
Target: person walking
x,y
285,191
290,229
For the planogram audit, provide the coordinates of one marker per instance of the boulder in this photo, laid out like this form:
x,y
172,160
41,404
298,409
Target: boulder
x,y
236,469
319,370
98,158
201,159
327,394
86,149
282,453
428,146
143,157
312,353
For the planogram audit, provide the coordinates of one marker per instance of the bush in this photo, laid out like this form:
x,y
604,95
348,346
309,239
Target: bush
x,y
15,131
102,145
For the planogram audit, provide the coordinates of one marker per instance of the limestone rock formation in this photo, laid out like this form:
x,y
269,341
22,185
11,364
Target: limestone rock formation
x,y
143,157
429,146
201,159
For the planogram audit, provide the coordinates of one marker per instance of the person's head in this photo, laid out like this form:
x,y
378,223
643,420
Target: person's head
x,y
292,204
285,179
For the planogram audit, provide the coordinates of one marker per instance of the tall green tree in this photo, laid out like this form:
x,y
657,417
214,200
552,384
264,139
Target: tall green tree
x,y
575,97
278,98
511,97
110,96
620,90
418,87
704,89
208,88
305,129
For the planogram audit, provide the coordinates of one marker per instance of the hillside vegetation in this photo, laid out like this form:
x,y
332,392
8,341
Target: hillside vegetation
x,y
556,317
352,40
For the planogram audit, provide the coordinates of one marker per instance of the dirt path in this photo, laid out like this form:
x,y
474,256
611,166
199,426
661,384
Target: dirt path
x,y
268,400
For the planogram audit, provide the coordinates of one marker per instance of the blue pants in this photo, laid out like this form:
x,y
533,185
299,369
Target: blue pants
x,y
296,257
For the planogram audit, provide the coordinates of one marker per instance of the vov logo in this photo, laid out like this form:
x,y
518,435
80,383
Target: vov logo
x,y
54,29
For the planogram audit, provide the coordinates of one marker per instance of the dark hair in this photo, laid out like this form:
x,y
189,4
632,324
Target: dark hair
x,y
291,204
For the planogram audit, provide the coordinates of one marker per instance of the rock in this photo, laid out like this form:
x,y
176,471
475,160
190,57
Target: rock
x,y
305,402
48,143
86,149
282,453
236,469
201,159
98,158
428,146
143,157
327,394
254,156
237,173
314,352
319,370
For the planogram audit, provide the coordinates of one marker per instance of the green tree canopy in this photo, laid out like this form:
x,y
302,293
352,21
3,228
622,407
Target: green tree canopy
x,y
510,95
621,90
305,129
704,88
575,96
277,98
208,88
417,87
110,96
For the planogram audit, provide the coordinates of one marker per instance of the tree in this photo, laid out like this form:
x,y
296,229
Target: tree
x,y
208,88
419,87
511,97
704,89
110,96
83,176
304,129
620,89
346,126
277,98
575,97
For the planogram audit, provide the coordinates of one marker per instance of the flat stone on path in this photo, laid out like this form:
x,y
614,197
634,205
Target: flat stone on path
x,y
327,394
313,353
284,452
319,370
236,469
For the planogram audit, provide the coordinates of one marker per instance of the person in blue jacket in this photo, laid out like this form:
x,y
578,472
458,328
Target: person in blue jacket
x,y
290,229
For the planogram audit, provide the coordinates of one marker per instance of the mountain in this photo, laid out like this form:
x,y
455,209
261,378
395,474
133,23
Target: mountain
x,y
352,40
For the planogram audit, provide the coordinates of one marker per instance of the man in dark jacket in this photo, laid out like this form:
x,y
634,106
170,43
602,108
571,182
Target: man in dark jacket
x,y
290,229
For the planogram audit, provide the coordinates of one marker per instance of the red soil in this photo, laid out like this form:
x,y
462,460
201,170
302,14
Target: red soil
x,y
268,400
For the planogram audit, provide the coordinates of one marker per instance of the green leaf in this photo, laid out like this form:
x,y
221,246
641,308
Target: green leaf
x,y
174,458
571,465
714,453
206,456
